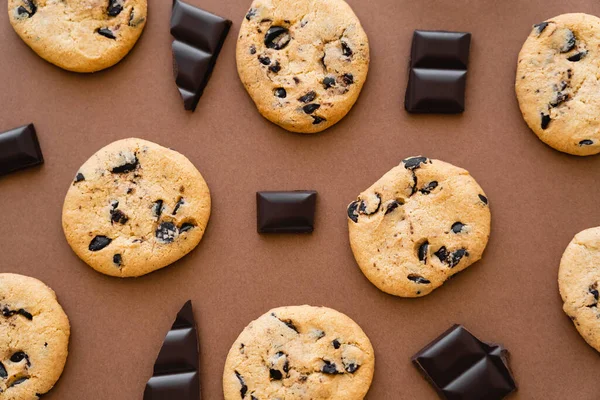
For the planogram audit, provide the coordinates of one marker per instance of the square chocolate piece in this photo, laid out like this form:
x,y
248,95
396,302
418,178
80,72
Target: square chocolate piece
x,y
19,148
438,70
286,212
461,367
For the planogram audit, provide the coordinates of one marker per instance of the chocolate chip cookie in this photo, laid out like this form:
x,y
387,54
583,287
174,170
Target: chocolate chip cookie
x,y
300,353
79,35
135,207
303,62
422,222
34,338
557,85
578,278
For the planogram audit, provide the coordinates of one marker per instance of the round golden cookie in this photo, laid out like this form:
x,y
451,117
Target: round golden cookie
x,y
422,222
135,207
300,353
578,278
557,85
303,62
34,338
79,35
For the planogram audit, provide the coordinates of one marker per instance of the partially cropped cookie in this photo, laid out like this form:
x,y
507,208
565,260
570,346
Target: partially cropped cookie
x,y
578,280
34,338
303,62
79,35
300,353
135,207
422,222
557,85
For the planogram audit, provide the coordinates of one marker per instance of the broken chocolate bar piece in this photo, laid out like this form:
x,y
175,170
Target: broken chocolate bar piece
x,y
286,212
176,373
461,367
19,148
438,71
199,37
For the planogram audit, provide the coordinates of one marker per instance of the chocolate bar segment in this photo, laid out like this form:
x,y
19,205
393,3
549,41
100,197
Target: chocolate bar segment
x,y
176,374
286,212
461,367
199,37
19,148
438,71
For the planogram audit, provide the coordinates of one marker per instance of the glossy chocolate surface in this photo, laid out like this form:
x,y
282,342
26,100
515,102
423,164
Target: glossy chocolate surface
x,y
286,212
19,148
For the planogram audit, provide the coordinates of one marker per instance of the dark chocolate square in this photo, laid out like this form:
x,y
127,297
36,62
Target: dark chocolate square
x,y
436,91
19,148
440,50
461,367
286,212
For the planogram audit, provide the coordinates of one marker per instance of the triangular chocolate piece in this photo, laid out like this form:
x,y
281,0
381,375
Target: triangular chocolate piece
x,y
199,37
176,373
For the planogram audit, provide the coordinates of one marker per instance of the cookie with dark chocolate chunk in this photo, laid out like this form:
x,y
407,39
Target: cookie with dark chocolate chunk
x,y
298,353
303,63
421,223
135,207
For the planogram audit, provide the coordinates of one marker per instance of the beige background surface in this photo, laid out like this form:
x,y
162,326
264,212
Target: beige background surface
x,y
539,199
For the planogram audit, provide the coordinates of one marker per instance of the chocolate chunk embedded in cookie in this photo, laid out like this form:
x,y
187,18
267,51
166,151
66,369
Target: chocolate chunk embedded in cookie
x,y
135,207
556,83
421,223
303,63
298,353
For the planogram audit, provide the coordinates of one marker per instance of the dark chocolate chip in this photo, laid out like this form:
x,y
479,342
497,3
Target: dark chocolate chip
x,y
275,68
25,314
569,42
157,208
577,56
32,9
559,99
351,368
99,242
127,167
114,8
186,226
166,232
253,49
277,37
455,257
545,120
264,60
392,206
336,344
414,162
180,202
117,259
251,13
317,120
593,290
422,252
297,80
442,254
281,93
348,79
275,374
418,279
586,142
106,33
311,108
18,357
429,188
346,50
353,210
290,325
118,217
483,199
18,381
308,97
328,82
329,368
3,373
6,312
79,177
244,388
457,227
540,27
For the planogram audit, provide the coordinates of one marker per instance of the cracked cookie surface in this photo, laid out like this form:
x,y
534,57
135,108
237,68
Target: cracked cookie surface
x,y
422,222
578,279
135,207
34,338
558,80
299,353
79,35
303,62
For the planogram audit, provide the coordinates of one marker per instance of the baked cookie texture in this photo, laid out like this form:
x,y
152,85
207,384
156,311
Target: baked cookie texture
x,y
557,83
300,353
34,338
578,278
135,207
422,222
303,62
79,35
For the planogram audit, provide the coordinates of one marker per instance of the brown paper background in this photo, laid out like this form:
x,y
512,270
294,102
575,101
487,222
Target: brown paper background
x,y
539,199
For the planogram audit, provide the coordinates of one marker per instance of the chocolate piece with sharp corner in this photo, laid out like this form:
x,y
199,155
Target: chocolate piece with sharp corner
x,y
19,148
176,374
286,212
461,367
199,37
